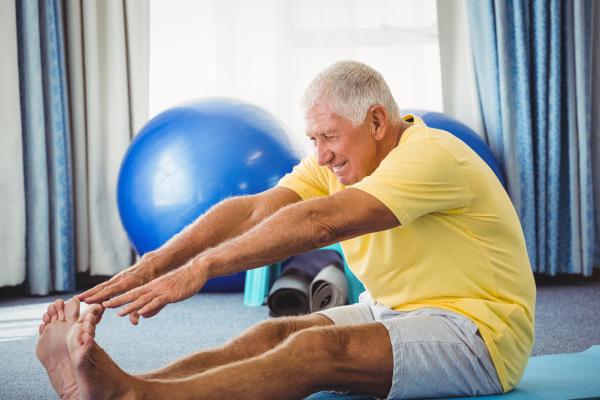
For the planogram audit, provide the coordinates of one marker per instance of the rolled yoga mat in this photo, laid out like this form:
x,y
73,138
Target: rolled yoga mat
x,y
555,376
328,289
309,282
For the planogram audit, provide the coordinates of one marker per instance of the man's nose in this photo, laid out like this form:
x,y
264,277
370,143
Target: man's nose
x,y
324,155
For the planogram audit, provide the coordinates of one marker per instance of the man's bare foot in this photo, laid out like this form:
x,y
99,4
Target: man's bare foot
x,y
97,375
52,348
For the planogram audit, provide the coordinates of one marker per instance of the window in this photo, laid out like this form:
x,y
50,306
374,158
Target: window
x,y
267,51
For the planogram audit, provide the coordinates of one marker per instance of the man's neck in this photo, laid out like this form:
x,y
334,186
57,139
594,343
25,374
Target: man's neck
x,y
398,130
404,125
392,139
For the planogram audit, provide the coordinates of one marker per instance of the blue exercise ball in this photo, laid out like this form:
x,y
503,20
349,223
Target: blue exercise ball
x,y
190,157
442,121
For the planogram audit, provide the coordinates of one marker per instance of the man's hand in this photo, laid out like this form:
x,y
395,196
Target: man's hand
x,y
149,299
134,276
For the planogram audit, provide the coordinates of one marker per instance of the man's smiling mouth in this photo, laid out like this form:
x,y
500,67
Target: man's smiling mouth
x,y
338,167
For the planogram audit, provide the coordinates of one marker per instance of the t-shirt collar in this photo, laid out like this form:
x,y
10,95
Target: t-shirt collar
x,y
416,124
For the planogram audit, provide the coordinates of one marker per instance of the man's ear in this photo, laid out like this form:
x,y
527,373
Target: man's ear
x,y
379,120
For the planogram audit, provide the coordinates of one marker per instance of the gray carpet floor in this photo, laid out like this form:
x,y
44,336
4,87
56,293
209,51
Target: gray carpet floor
x,y
567,320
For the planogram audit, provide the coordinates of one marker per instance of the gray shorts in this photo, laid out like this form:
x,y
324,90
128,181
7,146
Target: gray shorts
x,y
437,353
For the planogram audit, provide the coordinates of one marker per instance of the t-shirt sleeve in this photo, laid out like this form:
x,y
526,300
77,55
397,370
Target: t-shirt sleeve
x,y
417,179
306,179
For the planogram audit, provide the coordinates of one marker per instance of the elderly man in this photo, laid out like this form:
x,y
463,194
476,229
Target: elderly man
x,y
424,224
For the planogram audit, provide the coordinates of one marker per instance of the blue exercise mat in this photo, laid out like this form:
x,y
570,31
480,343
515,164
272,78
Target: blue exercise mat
x,y
556,376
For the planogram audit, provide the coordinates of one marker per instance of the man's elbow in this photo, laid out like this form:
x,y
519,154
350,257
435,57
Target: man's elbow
x,y
325,231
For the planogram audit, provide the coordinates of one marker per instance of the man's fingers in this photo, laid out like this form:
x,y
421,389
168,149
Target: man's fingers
x,y
128,297
153,312
152,308
90,292
137,304
134,318
102,291
101,295
110,291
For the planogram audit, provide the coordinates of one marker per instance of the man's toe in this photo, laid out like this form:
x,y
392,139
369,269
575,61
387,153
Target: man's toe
x,y
59,305
52,313
72,309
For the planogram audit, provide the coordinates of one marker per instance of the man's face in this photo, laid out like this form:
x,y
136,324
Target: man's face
x,y
349,152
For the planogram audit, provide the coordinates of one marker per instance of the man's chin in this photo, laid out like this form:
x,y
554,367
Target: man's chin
x,y
346,181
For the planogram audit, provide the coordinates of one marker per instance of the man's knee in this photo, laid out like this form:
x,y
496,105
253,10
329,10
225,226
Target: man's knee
x,y
277,330
323,343
357,358
360,348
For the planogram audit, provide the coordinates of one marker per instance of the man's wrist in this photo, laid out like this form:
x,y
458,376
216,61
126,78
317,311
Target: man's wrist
x,y
202,265
156,262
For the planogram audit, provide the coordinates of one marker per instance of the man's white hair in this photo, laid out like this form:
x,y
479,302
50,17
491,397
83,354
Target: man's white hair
x,y
349,88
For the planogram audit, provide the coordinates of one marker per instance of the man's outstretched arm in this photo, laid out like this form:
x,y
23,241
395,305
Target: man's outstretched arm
x,y
224,221
294,229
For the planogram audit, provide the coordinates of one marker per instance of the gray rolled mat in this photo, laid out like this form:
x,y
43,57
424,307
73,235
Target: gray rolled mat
x,y
328,289
302,277
289,294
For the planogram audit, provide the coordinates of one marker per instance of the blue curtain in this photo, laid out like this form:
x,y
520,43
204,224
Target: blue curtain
x,y
533,65
46,147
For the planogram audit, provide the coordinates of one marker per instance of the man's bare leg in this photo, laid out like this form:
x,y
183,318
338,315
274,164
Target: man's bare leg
x,y
51,347
255,341
357,358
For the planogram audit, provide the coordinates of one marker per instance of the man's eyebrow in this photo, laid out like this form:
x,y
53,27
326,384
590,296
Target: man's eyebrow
x,y
322,133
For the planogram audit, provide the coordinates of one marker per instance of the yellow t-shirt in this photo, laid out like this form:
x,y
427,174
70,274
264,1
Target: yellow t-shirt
x,y
460,245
